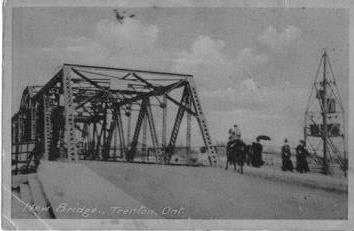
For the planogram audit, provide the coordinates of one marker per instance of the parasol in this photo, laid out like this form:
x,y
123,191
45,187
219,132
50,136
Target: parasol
x,y
263,137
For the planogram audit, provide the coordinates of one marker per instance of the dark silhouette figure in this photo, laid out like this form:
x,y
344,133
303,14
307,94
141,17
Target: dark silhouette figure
x,y
301,161
235,151
286,157
249,154
257,160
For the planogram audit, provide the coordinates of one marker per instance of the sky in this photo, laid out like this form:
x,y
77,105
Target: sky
x,y
253,66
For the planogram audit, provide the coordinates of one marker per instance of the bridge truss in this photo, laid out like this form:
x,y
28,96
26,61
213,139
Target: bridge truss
x,y
99,113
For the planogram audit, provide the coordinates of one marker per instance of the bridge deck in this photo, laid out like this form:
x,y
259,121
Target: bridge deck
x,y
207,193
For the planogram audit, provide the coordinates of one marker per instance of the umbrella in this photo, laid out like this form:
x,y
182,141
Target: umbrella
x,y
263,137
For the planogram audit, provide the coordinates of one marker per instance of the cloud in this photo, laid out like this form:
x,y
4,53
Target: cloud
x,y
250,85
131,44
204,51
246,95
281,41
206,62
248,61
213,69
132,35
278,99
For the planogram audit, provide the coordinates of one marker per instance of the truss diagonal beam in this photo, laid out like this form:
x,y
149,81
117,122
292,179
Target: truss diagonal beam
x,y
181,105
134,142
89,99
177,124
157,92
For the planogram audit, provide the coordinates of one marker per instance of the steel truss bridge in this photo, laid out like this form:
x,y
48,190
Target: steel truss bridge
x,y
98,113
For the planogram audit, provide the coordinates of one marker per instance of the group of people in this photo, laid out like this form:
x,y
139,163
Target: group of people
x,y
238,153
301,157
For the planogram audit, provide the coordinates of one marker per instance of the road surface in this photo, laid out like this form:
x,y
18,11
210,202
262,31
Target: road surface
x,y
214,193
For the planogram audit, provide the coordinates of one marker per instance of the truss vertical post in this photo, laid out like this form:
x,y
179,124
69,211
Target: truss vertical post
x,y
108,139
85,137
70,136
188,135
345,154
121,133
89,140
20,126
115,137
16,142
47,127
94,138
164,118
18,129
144,135
129,123
33,120
104,151
99,143
153,133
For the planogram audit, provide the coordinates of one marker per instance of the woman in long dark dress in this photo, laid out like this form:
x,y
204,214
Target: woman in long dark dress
x,y
301,161
257,160
286,157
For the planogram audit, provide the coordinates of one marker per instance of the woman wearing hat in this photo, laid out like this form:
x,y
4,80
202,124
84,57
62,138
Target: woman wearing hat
x,y
286,157
301,154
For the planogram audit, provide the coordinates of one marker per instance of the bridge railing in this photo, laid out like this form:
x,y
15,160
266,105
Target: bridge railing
x,y
21,160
